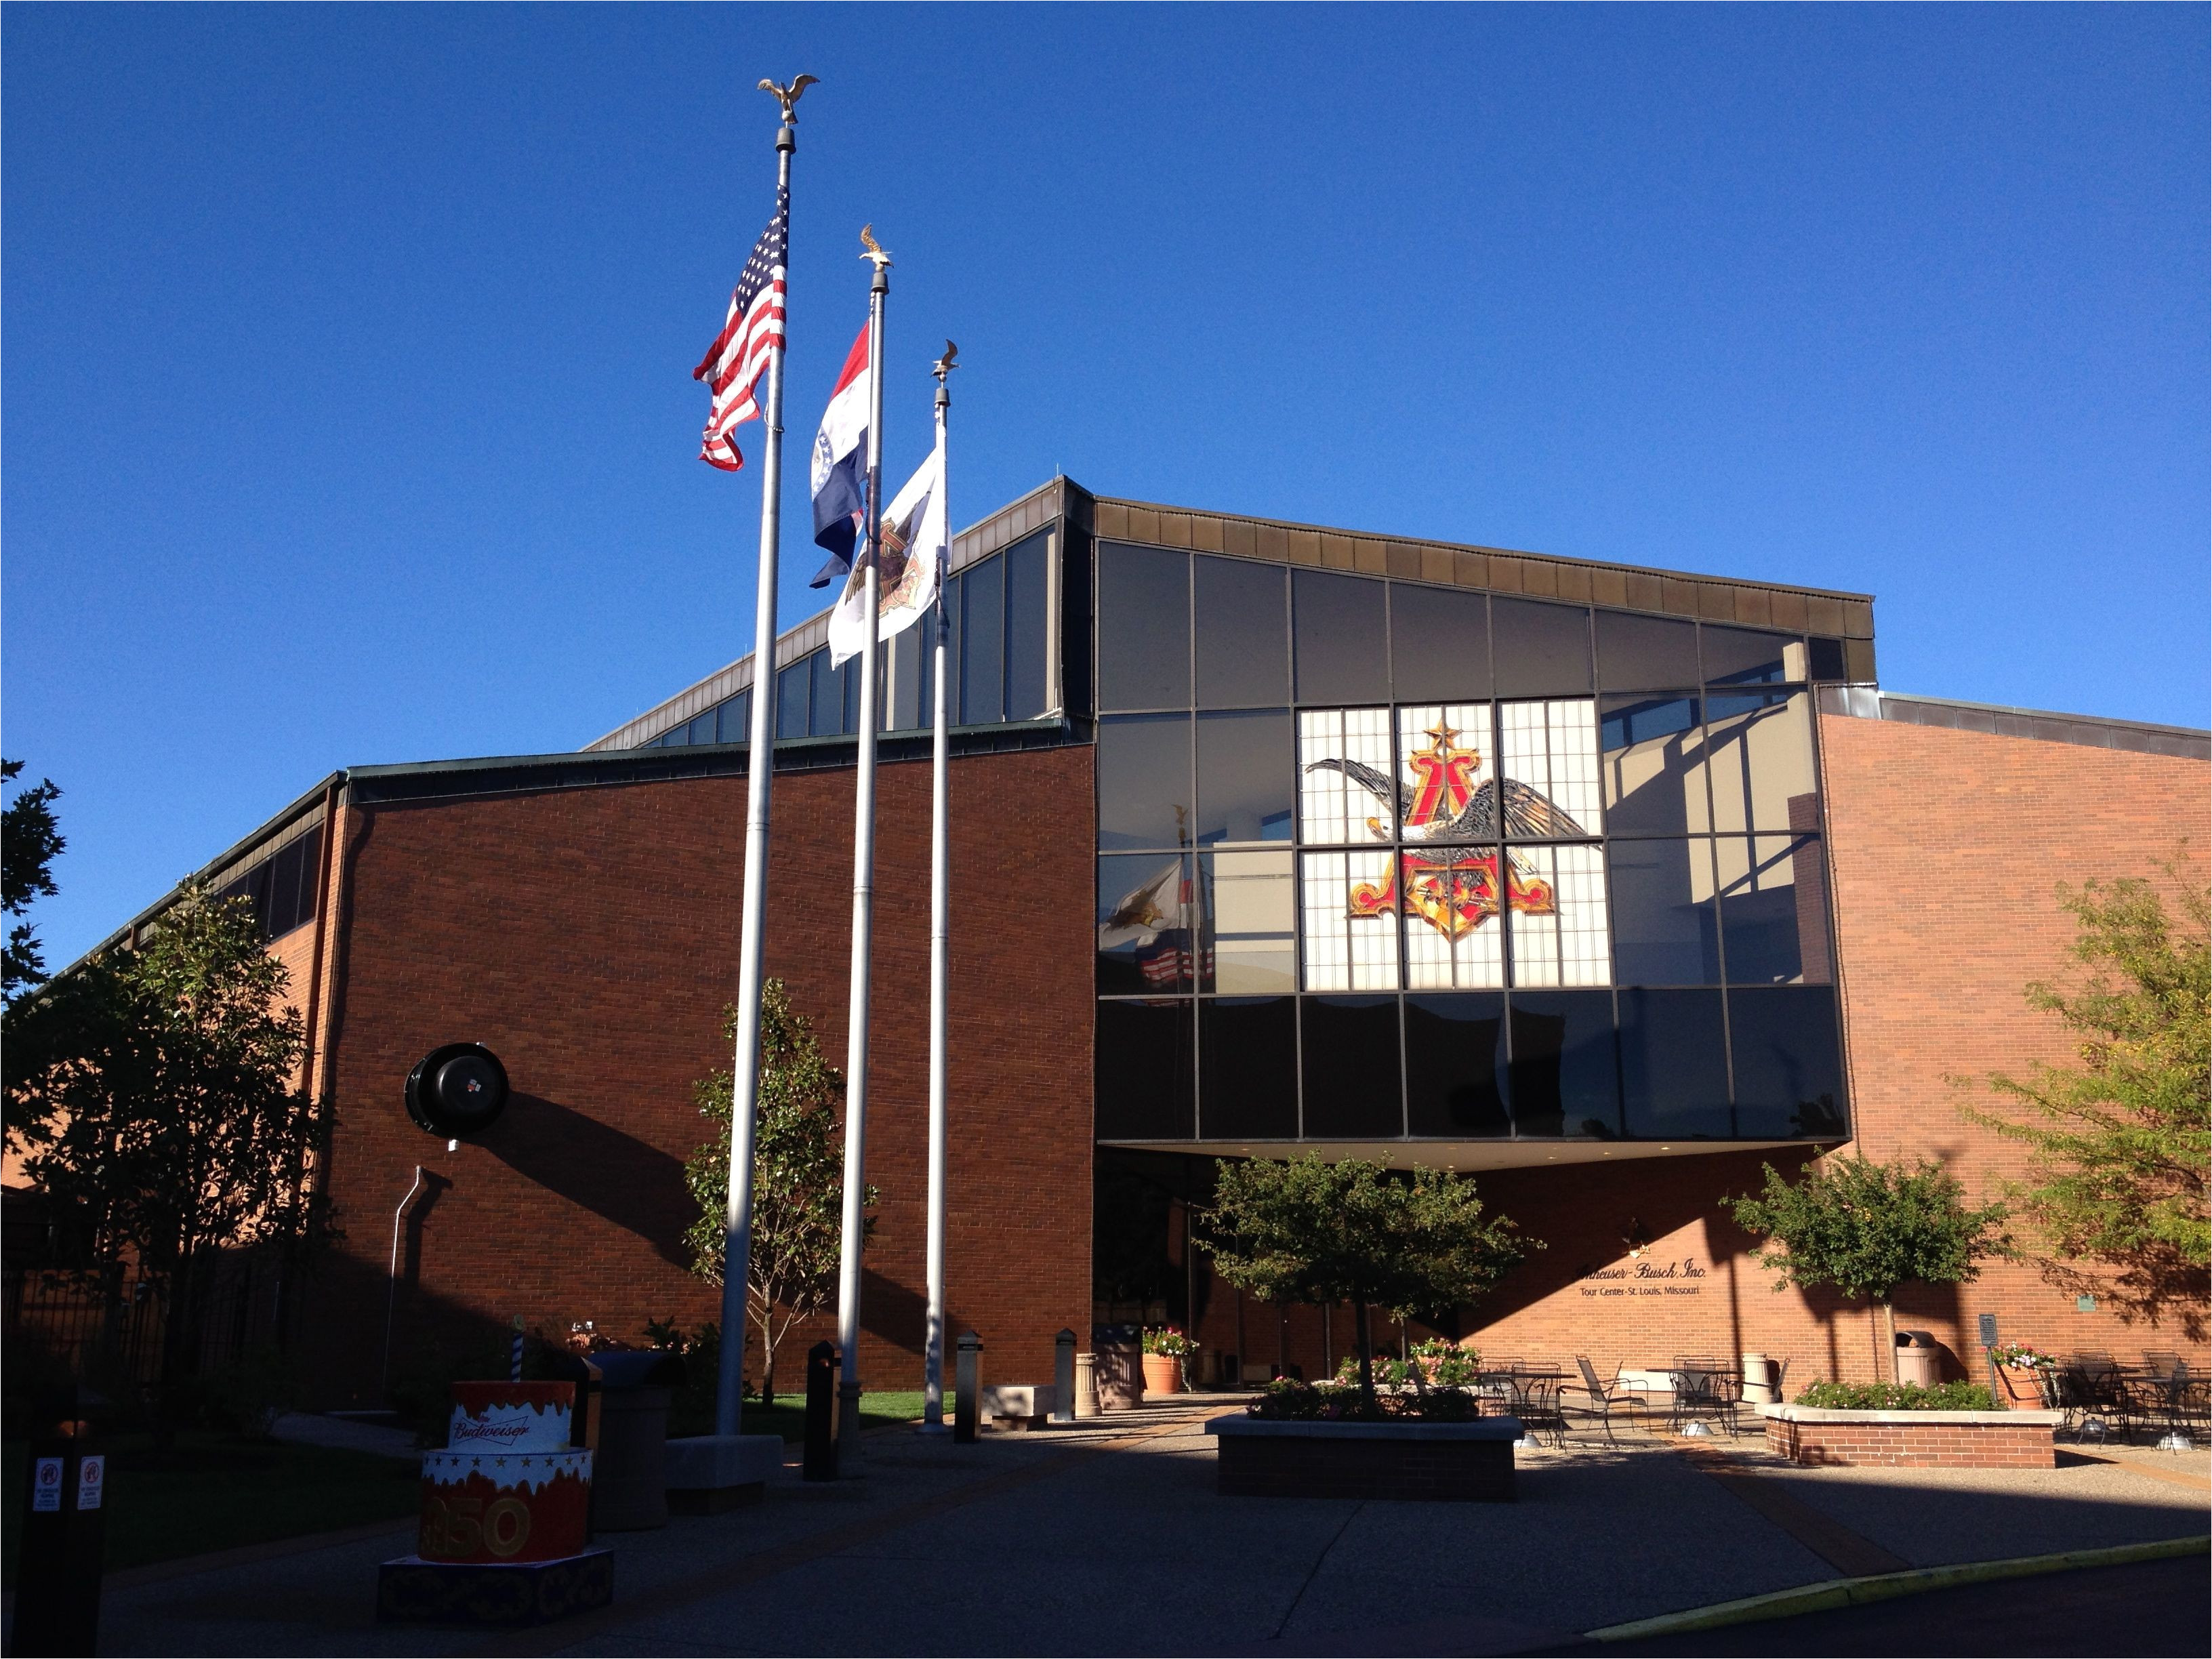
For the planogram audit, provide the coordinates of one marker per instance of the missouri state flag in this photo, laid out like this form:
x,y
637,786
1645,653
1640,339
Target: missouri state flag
x,y
840,465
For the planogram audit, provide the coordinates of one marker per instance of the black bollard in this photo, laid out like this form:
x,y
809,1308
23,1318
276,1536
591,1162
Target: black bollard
x,y
821,1412
64,1549
968,1386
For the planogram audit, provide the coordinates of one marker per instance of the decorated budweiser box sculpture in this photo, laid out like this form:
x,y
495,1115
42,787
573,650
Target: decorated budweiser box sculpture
x,y
508,1487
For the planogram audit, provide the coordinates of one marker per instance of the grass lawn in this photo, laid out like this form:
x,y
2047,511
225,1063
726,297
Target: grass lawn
x,y
212,1492
694,1413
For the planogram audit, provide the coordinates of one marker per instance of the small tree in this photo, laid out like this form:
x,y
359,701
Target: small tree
x,y
1869,1229
172,1117
30,841
1411,1242
797,1180
2120,1144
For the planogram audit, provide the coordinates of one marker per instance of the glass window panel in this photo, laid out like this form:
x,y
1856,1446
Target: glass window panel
x,y
982,670
904,689
1653,768
1558,923
1774,909
1335,745
794,687
311,869
1025,627
1674,1064
1453,938
956,600
1539,650
1145,924
702,727
1788,1065
1640,653
1348,1056
1243,646
1563,1075
1144,628
1760,745
733,720
1143,782
1248,1056
1552,747
1350,933
1744,656
1248,921
1246,769
1439,644
1455,1047
1824,659
1444,771
1665,928
1342,637
675,737
1145,1071
827,693
285,909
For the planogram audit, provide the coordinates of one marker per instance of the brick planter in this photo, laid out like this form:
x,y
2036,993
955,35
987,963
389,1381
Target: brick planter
x,y
1436,1462
1923,1440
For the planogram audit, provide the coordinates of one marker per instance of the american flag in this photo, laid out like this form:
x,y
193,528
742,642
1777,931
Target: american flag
x,y
732,365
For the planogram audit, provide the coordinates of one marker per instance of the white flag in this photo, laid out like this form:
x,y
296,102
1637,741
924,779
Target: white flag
x,y
915,546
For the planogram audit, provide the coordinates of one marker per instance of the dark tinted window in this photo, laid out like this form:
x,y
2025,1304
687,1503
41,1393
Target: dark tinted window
x,y
1143,782
1025,627
1654,770
792,688
734,719
826,690
1642,654
1673,1064
902,710
1741,656
1789,1073
286,908
1243,650
1349,1051
1826,659
1664,929
1439,644
1144,628
1565,1079
1248,1056
1455,1051
1144,1071
982,670
1144,924
702,727
1774,909
1246,774
1342,638
1539,650
956,603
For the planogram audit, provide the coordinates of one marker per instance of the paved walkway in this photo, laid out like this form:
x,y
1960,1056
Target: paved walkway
x,y
1108,1538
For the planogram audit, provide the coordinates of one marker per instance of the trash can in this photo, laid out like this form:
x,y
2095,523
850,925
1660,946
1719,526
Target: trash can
x,y
1918,1358
1757,1380
630,1465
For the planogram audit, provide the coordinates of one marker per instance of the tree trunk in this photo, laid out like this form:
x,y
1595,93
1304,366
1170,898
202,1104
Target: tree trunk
x,y
767,1362
1889,1331
1366,1355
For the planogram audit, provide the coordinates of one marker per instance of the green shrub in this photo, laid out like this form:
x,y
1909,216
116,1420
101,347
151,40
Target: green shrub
x,y
1898,1397
1286,1399
249,1394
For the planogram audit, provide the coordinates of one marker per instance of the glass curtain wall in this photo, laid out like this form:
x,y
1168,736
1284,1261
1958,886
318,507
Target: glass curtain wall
x,y
1379,859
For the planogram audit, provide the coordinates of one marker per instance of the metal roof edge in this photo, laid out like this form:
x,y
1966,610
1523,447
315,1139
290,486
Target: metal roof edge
x,y
1888,695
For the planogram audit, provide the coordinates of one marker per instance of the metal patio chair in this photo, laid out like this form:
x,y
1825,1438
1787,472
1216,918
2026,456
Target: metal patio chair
x,y
1600,1398
1538,1408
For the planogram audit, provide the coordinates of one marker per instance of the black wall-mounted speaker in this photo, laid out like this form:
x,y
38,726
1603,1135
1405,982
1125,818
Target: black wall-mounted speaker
x,y
457,1091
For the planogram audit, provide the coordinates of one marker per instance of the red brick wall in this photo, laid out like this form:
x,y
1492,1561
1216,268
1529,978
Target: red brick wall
x,y
589,937
1946,847
1916,1445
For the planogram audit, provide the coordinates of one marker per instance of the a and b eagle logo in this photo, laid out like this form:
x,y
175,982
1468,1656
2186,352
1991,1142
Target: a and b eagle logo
x,y
1455,887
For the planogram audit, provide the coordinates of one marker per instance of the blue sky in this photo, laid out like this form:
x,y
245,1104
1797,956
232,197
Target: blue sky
x,y
347,408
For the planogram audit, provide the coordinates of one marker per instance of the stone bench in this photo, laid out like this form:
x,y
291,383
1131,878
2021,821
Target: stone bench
x,y
708,1474
1016,1407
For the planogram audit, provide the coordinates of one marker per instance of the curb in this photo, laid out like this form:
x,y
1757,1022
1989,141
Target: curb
x,y
1883,1586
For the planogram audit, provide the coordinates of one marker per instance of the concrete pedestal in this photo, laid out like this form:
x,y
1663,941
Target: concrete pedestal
x,y
708,1474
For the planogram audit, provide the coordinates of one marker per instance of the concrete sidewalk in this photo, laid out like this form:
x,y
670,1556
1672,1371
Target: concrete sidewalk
x,y
1108,1538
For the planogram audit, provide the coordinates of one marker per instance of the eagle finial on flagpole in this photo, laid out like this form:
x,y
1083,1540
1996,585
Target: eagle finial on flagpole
x,y
788,96
944,364
874,251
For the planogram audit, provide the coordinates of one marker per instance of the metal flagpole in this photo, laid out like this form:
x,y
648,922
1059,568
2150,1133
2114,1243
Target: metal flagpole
x,y
760,758
940,911
864,859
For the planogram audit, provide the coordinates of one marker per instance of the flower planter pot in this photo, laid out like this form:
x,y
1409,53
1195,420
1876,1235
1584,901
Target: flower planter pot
x,y
1433,1463
2011,1440
1162,1373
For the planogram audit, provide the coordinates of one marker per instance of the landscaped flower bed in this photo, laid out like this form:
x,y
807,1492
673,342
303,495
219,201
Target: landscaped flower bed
x,y
1904,1425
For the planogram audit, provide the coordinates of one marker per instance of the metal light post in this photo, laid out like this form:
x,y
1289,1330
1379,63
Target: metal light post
x,y
940,911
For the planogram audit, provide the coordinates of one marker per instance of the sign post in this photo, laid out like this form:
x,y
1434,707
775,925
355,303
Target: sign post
x,y
64,1549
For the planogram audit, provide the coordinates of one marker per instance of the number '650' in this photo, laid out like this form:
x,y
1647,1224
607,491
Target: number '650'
x,y
503,1529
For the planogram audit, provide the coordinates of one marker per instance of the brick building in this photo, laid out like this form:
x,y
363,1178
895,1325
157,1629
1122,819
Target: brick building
x,y
1608,885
